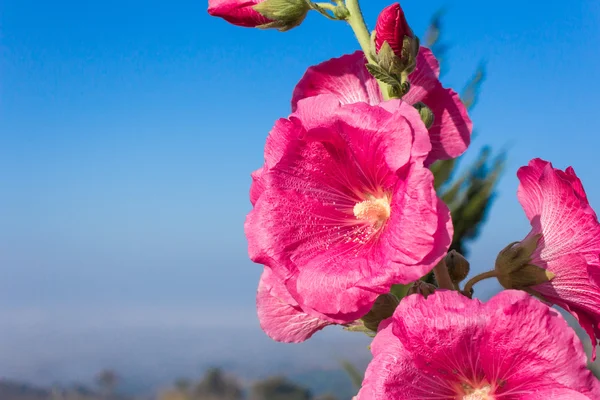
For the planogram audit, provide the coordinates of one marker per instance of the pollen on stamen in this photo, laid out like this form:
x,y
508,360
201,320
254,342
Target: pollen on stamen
x,y
374,210
482,393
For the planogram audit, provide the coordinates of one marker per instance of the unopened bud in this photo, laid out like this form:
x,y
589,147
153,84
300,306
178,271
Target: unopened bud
x,y
426,114
284,14
458,266
423,288
513,265
384,307
392,28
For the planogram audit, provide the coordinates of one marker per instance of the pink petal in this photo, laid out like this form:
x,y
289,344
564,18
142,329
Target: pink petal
x,y
421,227
392,374
257,186
280,316
424,78
346,77
237,12
450,133
557,394
525,332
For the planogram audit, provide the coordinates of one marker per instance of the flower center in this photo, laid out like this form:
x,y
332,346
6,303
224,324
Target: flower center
x,y
482,393
373,210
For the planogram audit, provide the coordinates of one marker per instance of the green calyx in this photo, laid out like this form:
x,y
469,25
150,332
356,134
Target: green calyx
x,y
426,114
514,268
284,14
393,69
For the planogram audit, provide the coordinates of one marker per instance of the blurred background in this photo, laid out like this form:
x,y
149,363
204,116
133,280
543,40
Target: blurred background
x,y
128,131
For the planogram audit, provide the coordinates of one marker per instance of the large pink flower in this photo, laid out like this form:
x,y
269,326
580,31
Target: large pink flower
x,y
449,347
348,79
237,12
557,206
343,207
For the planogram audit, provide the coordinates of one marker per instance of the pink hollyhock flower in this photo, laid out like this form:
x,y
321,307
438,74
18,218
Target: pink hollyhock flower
x,y
237,12
557,206
348,79
280,316
343,207
450,347
392,27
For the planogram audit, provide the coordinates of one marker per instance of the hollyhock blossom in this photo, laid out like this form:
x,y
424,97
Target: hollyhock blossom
x,y
237,12
392,27
557,206
348,79
450,347
280,316
343,206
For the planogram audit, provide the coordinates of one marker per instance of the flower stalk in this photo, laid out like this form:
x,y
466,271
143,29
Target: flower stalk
x,y
357,22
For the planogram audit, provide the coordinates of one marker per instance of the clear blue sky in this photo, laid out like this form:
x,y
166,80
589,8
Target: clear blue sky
x,y
128,130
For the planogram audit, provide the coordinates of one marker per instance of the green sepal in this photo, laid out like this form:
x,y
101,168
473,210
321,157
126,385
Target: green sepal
x,y
284,14
382,75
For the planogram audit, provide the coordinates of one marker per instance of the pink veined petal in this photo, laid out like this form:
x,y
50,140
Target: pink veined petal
x,y
280,316
420,229
392,374
237,12
450,133
556,394
257,186
573,290
567,223
345,77
524,332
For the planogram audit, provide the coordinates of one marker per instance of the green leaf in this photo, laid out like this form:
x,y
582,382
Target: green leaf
x,y
355,375
382,75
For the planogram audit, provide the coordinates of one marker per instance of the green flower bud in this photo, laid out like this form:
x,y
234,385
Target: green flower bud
x,y
423,288
514,269
426,114
458,266
384,307
285,14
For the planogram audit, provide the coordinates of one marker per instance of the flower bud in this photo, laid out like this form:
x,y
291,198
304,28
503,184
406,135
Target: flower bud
x,y
426,115
392,28
236,12
458,266
423,288
384,307
513,265
284,14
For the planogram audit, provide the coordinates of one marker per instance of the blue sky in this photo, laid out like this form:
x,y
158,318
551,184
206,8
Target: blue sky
x,y
128,130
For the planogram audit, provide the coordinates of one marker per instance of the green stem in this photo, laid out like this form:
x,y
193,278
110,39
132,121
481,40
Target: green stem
x,y
357,23
478,278
442,276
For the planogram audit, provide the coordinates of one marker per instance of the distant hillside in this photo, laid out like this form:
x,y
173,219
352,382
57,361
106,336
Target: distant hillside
x,y
10,390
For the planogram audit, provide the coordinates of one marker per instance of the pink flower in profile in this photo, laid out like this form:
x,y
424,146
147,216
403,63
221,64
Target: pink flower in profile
x,y
280,316
557,206
348,79
237,12
450,347
343,206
